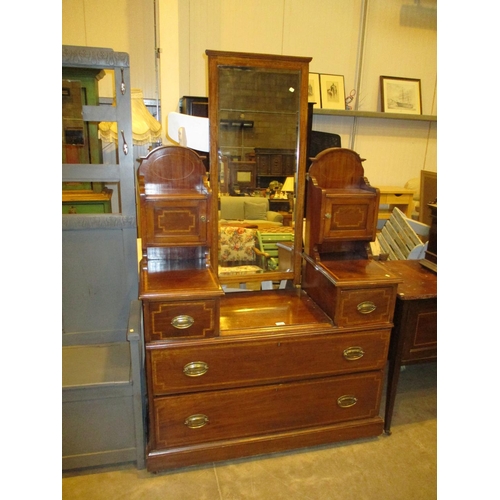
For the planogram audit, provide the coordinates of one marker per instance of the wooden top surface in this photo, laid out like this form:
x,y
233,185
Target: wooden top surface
x,y
418,281
395,190
181,284
356,272
262,311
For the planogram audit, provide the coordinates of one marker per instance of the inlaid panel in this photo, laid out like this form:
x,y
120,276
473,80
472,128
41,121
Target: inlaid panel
x,y
183,319
366,306
349,217
176,221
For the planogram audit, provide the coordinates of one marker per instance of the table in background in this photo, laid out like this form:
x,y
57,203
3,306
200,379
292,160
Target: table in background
x,y
414,336
393,196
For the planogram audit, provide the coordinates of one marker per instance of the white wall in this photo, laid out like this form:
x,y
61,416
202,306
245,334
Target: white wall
x,y
327,30
121,25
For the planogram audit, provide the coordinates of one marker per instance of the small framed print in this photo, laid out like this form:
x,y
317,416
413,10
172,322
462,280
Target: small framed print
x,y
332,91
313,93
400,95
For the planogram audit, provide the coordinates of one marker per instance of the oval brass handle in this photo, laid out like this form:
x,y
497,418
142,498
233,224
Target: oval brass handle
x,y
203,218
366,307
182,321
196,421
353,353
347,401
195,369
328,216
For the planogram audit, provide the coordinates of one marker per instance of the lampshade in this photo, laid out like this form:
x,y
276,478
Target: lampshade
x,y
145,128
289,185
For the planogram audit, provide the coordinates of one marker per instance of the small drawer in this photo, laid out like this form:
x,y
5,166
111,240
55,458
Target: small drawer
x,y
179,320
364,306
201,367
396,198
236,413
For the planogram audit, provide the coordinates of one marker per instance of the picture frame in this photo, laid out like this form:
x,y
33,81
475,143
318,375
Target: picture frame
x,y
400,95
313,90
332,91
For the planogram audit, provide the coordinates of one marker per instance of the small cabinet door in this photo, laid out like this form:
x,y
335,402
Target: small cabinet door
x,y
176,221
349,216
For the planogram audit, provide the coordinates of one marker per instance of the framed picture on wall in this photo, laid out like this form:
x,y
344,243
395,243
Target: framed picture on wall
x,y
332,91
313,93
400,95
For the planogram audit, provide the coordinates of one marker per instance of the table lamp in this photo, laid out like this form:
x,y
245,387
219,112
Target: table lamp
x,y
289,189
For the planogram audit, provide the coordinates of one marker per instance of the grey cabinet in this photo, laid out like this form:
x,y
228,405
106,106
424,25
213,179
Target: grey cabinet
x,y
101,378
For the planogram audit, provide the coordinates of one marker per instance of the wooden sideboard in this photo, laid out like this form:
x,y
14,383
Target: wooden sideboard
x,y
414,337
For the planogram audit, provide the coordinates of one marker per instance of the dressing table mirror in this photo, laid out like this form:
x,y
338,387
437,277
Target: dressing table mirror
x,y
258,127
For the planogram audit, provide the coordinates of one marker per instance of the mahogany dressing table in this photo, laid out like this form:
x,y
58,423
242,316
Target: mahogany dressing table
x,y
238,374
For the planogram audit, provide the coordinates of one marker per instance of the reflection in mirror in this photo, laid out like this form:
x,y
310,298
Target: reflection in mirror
x,y
87,141
81,139
92,197
258,127
82,144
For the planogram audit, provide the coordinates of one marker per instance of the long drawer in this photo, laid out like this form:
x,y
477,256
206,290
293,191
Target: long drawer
x,y
252,411
223,364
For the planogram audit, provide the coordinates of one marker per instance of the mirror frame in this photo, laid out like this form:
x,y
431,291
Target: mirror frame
x,y
262,61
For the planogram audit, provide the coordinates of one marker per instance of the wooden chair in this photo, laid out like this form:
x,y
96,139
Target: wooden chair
x,y
238,252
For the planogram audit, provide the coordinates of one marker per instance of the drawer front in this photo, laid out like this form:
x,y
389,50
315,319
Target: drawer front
x,y
365,306
395,199
289,166
219,415
263,164
176,222
276,165
178,320
199,367
420,331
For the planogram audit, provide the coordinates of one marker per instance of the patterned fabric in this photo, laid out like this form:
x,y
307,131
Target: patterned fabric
x,y
225,271
236,244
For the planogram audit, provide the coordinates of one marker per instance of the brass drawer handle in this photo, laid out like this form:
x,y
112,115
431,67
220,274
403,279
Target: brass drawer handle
x,y
366,307
182,321
195,369
347,401
353,353
203,218
328,216
196,421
